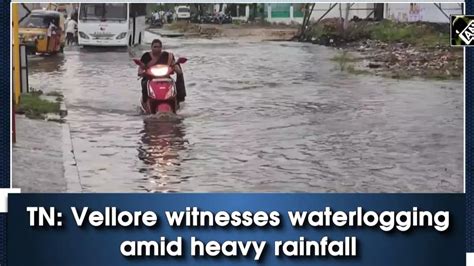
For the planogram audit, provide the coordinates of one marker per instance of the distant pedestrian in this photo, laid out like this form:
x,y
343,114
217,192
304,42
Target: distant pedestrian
x,y
66,21
169,16
70,31
156,17
52,35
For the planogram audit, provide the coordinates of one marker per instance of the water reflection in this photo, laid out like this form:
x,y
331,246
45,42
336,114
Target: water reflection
x,y
45,64
101,50
162,140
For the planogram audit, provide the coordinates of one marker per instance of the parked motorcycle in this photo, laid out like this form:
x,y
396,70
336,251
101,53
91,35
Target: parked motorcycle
x,y
156,23
206,18
221,19
226,19
195,18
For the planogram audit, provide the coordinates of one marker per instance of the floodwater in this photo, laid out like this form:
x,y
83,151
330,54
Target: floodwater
x,y
259,117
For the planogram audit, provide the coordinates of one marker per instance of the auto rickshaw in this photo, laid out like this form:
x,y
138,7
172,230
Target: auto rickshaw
x,y
43,32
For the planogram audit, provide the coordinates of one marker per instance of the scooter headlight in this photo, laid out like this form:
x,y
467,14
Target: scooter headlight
x,y
159,71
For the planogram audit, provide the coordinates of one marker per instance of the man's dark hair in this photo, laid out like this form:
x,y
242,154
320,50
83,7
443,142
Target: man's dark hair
x,y
156,41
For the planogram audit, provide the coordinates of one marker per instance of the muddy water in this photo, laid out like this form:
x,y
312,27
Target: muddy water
x,y
258,117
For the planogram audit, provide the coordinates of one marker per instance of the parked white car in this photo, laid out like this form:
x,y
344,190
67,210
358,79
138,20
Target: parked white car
x,y
183,12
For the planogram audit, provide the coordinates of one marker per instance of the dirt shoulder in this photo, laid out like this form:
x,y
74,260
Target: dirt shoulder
x,y
257,31
397,50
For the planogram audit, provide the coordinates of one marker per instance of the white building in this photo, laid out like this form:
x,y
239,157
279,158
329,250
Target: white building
x,y
406,12
422,12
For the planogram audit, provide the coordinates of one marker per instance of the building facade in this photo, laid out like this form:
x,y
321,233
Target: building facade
x,y
404,12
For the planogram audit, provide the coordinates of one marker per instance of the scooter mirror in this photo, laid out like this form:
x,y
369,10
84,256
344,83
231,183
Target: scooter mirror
x,y
182,60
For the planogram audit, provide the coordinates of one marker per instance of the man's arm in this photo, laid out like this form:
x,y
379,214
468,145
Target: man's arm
x,y
144,61
176,67
144,58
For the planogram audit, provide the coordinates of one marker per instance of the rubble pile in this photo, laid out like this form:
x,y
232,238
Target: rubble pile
x,y
406,60
394,48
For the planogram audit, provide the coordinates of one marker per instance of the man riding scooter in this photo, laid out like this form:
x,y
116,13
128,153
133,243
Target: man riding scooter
x,y
158,56
156,19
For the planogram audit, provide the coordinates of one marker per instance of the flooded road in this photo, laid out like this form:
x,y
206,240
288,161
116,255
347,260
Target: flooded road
x,y
259,117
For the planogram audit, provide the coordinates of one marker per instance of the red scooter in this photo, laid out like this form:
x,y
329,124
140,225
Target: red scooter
x,y
161,88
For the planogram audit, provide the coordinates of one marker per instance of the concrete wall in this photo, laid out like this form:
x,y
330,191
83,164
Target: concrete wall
x,y
359,10
421,12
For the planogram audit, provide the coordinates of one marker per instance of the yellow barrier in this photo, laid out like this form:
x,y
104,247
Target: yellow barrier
x,y
16,54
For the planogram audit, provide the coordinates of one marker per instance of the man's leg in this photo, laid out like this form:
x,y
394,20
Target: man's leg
x,y
144,90
48,44
180,88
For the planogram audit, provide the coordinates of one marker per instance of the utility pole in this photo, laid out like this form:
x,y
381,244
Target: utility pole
x,y
346,19
341,20
306,18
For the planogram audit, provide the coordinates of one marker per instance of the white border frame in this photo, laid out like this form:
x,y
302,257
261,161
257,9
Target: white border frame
x,y
469,256
240,1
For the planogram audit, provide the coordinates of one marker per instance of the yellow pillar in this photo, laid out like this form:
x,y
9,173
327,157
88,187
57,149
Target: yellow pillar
x,y
16,54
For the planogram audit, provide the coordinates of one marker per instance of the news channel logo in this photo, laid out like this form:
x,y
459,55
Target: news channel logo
x,y
462,30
